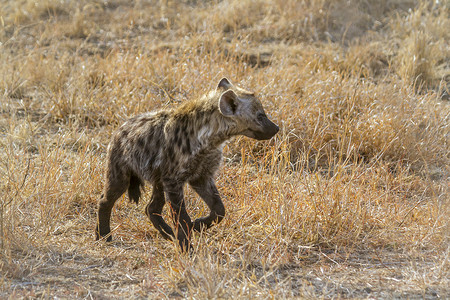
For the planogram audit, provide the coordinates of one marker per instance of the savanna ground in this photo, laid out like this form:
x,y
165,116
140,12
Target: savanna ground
x,y
349,200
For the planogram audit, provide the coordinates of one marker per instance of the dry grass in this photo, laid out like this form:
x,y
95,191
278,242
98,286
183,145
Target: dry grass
x,y
349,200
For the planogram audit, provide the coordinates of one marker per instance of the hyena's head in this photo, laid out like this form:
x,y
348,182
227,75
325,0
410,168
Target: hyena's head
x,y
246,111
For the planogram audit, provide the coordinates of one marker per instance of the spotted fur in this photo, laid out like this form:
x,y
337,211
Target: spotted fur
x,y
168,148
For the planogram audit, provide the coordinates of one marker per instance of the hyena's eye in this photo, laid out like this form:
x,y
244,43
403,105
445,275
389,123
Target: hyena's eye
x,y
261,116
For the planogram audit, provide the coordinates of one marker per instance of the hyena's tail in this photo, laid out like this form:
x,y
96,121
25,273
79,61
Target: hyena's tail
x,y
134,190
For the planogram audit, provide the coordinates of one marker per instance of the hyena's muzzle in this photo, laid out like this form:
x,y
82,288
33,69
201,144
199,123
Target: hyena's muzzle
x,y
265,128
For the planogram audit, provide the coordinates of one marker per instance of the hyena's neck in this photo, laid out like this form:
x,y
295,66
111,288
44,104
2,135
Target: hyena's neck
x,y
215,130
205,125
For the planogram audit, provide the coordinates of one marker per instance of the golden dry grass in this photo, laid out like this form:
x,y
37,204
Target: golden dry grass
x,y
349,200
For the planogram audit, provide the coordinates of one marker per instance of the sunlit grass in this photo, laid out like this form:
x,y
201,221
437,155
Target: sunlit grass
x,y
353,187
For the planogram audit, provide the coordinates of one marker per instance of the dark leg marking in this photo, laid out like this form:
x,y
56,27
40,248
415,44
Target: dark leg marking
x,y
207,190
180,217
154,209
114,188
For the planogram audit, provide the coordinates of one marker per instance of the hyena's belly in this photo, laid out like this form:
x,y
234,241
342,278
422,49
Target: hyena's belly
x,y
204,164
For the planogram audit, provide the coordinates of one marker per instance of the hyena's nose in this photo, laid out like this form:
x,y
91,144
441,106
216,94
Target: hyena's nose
x,y
270,130
274,129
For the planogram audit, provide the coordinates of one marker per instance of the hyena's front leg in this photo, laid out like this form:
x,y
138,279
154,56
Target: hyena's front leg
x,y
180,217
206,188
154,209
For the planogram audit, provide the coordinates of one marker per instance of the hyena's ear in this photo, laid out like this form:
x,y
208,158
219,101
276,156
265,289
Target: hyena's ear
x,y
228,103
224,84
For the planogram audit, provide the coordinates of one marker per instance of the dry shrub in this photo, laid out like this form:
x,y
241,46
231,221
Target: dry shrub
x,y
423,44
25,12
417,59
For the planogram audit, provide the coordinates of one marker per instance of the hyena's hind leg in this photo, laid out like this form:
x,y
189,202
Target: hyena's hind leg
x,y
116,184
154,209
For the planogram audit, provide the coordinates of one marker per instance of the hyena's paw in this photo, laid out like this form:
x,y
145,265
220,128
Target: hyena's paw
x,y
99,236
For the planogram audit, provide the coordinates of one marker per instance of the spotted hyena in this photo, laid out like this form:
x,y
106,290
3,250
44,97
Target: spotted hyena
x,y
171,147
